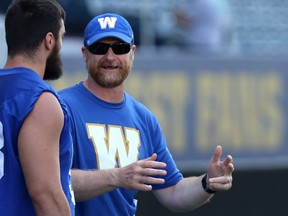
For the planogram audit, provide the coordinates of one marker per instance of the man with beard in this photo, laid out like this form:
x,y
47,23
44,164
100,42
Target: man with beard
x,y
35,142
119,147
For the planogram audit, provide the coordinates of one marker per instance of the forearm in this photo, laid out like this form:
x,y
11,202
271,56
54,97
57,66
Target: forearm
x,y
54,205
188,194
91,183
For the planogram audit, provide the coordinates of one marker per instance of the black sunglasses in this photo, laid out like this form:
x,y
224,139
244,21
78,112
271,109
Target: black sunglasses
x,y
99,48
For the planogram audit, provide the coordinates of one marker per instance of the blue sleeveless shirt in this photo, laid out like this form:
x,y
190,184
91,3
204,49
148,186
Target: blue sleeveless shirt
x,y
19,90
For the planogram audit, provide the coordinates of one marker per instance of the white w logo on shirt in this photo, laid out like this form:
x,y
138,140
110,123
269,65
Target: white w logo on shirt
x,y
113,147
107,22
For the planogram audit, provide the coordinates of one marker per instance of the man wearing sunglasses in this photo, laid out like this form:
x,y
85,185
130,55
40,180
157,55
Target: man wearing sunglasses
x,y
119,148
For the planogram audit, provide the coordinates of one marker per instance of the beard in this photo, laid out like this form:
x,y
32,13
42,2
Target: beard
x,y
53,70
108,79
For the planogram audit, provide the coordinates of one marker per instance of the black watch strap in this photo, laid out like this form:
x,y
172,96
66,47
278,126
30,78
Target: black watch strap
x,y
205,186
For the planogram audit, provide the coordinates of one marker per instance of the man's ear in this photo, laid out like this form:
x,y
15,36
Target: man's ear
x,y
84,53
49,41
133,51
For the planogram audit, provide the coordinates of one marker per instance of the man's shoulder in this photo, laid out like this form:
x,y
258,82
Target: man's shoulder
x,y
69,92
138,105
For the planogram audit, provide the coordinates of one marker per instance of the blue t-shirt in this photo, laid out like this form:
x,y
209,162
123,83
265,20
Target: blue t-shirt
x,y
108,135
19,90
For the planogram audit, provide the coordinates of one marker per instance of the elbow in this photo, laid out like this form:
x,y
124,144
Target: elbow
x,y
180,209
42,198
178,205
175,206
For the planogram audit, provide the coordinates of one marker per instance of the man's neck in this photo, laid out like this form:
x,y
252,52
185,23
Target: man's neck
x,y
111,95
21,61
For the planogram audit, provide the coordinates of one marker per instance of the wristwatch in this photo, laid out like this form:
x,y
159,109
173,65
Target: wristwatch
x,y
205,186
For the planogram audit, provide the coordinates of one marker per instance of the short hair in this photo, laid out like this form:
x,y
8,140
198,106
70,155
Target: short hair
x,y
28,21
